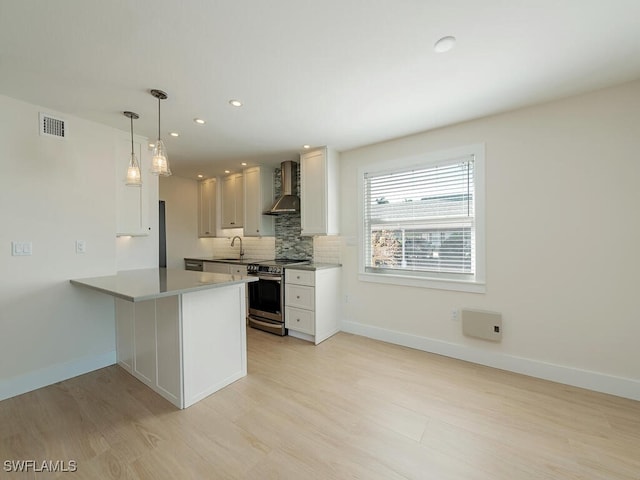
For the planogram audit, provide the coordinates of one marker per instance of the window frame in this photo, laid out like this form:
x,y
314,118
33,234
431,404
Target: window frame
x,y
475,283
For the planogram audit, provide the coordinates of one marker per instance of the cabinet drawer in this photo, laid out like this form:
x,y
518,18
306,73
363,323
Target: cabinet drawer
x,y
215,267
299,320
299,296
300,277
238,269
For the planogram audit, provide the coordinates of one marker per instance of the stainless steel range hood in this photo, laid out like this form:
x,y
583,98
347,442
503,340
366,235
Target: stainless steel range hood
x,y
288,201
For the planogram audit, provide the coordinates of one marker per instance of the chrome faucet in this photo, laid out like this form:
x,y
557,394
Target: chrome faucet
x,y
233,240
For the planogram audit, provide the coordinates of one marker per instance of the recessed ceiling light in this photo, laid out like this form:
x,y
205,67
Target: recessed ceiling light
x,y
199,121
235,103
244,164
306,147
200,175
227,171
444,44
152,145
174,134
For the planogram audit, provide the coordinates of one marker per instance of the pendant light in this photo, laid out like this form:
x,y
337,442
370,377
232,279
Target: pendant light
x,y
134,178
160,162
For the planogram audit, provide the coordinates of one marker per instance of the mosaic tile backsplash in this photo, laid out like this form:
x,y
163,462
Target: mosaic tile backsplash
x,y
289,242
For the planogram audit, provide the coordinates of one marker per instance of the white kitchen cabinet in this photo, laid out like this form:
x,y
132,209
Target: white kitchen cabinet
x,y
148,344
168,348
232,201
319,187
312,303
132,203
124,334
207,208
226,268
184,347
237,269
258,197
181,333
215,267
144,342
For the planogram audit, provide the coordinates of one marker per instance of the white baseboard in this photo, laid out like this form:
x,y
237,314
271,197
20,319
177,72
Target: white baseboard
x,y
599,382
27,382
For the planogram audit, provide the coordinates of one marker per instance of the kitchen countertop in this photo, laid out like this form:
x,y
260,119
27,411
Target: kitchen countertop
x,y
146,284
314,266
235,261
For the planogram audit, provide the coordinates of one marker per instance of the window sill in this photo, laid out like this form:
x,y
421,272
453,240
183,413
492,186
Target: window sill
x,y
435,283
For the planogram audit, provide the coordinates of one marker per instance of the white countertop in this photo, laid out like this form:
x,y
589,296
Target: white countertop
x,y
146,284
314,266
236,261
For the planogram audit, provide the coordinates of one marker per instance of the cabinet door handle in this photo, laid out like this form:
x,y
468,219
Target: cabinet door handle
x,y
297,319
298,277
298,296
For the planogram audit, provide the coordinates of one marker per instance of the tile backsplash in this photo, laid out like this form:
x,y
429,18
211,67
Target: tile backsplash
x,y
260,248
288,242
327,249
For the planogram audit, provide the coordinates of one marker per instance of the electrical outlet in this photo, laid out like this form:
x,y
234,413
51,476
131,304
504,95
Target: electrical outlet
x,y
454,314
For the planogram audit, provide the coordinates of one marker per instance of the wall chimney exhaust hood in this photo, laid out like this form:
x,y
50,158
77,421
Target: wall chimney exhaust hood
x,y
288,201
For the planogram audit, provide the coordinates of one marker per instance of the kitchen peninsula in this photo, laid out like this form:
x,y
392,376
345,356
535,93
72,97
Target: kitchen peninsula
x,y
182,333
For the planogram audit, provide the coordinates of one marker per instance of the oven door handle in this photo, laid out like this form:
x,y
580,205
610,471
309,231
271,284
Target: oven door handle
x,y
273,278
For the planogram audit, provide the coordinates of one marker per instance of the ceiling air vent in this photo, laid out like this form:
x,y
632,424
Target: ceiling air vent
x,y
51,126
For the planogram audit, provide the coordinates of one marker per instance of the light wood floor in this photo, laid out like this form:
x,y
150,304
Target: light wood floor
x,y
348,408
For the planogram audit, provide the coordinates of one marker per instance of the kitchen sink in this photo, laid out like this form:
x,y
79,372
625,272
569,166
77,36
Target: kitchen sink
x,y
234,260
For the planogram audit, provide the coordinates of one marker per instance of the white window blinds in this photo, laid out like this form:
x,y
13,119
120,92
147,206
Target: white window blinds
x,y
421,221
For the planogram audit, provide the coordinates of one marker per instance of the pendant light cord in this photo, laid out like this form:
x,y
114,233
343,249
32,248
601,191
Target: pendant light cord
x,y
158,118
131,118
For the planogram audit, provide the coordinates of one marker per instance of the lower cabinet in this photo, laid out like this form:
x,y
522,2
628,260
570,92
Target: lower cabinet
x,y
215,267
312,303
148,344
228,268
184,347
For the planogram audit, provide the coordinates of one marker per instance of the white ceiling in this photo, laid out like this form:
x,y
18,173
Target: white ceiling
x,y
343,73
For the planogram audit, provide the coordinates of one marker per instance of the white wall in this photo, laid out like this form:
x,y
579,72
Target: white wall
x,y
52,193
563,232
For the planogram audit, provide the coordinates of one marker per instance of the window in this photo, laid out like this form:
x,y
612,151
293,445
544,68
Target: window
x,y
423,221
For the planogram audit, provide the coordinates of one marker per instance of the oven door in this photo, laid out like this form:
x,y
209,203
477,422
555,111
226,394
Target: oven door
x,y
266,297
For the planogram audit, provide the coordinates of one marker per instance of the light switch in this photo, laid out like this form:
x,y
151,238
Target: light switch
x,y
81,246
21,248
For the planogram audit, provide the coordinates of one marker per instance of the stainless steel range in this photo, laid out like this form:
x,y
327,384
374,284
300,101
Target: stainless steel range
x,y
266,296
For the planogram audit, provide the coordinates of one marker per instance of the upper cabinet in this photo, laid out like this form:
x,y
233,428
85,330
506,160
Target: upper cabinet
x,y
258,197
207,208
319,192
133,202
232,201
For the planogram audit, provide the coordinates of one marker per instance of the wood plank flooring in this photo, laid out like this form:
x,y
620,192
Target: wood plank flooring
x,y
350,408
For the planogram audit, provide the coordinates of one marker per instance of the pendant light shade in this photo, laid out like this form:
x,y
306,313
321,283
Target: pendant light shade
x,y
160,161
134,178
